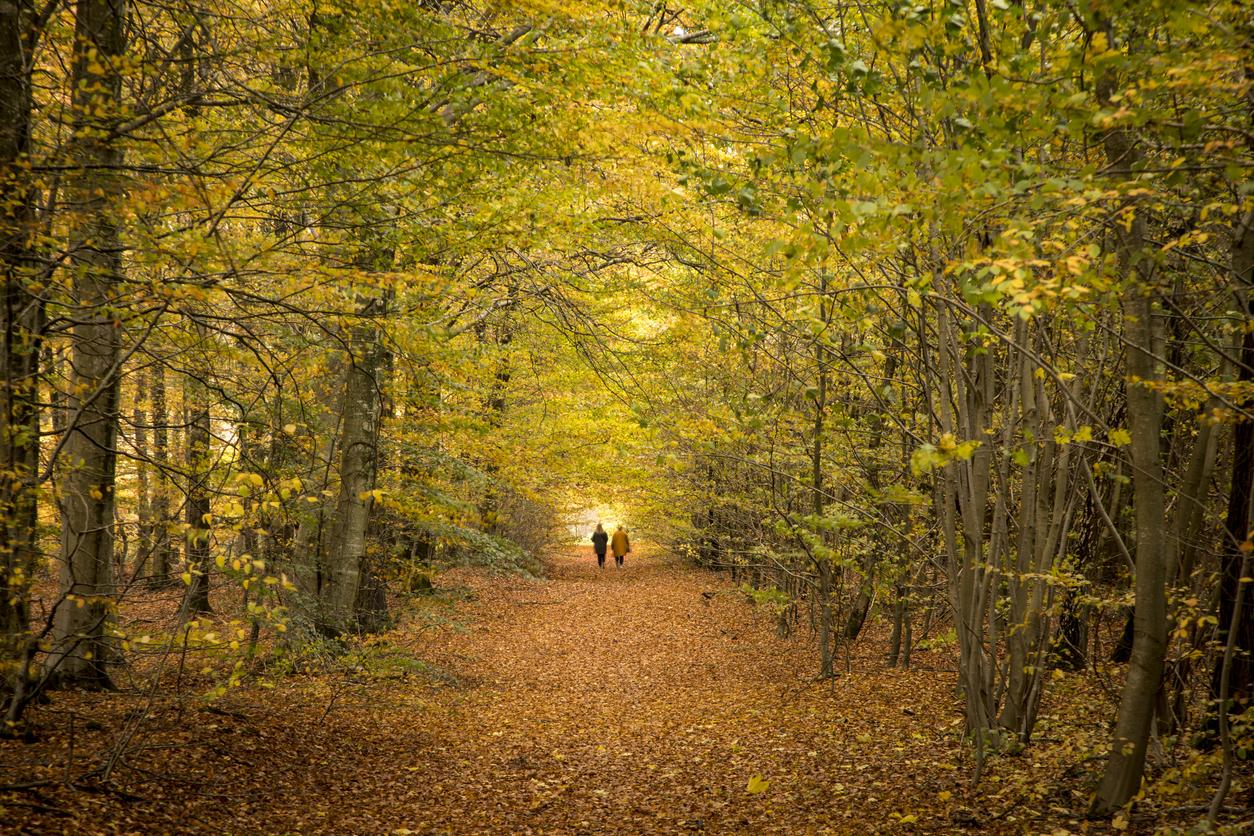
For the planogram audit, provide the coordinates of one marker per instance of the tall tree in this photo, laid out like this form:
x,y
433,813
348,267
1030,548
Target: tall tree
x,y
361,412
1241,485
82,646
162,545
199,507
1143,333
21,316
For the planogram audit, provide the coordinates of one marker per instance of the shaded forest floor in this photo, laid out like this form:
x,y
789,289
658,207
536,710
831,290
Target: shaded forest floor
x,y
589,701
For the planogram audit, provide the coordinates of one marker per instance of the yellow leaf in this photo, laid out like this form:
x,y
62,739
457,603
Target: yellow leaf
x,y
758,784
944,795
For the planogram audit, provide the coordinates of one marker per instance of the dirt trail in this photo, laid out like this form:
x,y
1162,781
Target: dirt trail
x,y
640,700
628,700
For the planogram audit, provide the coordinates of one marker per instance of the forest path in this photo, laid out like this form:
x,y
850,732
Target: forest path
x,y
635,700
625,700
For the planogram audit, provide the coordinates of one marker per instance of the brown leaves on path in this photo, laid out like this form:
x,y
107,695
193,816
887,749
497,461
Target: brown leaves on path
x,y
597,701
627,701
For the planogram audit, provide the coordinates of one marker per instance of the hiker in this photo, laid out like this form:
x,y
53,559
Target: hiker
x,y
620,545
599,540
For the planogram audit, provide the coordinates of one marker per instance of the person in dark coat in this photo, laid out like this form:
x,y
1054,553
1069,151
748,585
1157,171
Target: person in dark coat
x,y
599,541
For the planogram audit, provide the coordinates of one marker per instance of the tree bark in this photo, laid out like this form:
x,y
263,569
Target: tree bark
x,y
962,491
358,445
1237,524
162,546
143,488
21,314
826,669
1126,764
82,648
1237,521
199,505
490,505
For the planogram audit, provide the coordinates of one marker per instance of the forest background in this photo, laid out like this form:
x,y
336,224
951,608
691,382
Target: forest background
x,y
935,315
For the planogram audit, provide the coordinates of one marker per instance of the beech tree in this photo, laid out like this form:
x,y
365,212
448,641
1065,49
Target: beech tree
x,y
83,646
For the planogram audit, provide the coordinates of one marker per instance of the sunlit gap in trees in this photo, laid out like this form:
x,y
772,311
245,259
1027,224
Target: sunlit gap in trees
x,y
584,521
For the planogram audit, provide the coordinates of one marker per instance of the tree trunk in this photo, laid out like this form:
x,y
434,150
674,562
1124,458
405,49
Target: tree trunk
x,y
371,607
21,314
962,491
1046,506
1237,523
359,427
1237,531
901,617
1122,778
82,648
143,488
826,669
490,505
1125,766
162,562
199,506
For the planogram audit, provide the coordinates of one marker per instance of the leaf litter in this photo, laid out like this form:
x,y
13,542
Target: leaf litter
x,y
654,698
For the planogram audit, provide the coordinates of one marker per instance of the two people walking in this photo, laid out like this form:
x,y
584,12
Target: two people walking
x,y
619,545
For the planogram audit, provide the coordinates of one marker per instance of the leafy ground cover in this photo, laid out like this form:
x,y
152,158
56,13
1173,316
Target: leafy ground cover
x,y
655,698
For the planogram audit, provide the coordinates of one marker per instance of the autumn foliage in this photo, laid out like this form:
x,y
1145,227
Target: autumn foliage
x,y
914,339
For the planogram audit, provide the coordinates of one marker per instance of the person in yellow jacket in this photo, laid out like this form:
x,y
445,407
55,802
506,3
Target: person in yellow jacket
x,y
620,545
